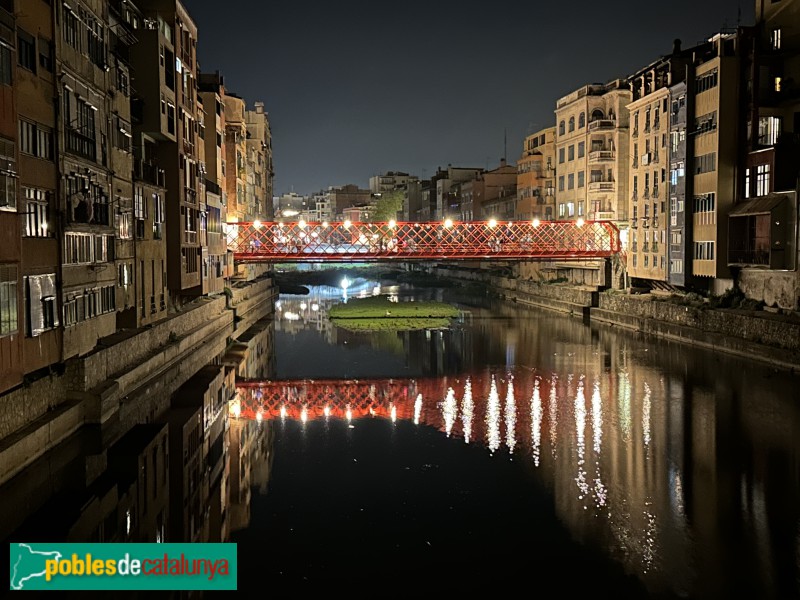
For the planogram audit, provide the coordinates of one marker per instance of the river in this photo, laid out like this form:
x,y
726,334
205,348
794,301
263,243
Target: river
x,y
520,447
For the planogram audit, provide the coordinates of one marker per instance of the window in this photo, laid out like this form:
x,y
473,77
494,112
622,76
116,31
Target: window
x,y
705,123
581,149
769,130
580,208
69,27
8,299
561,128
26,50
581,120
571,153
561,155
81,134
35,140
158,215
677,266
37,209
125,273
561,183
747,182
775,39
95,39
704,250
562,210
125,225
46,54
87,248
762,180
40,305
778,81
705,163
571,181
572,124
87,201
8,175
581,177
6,70
122,134
706,82
705,203
570,209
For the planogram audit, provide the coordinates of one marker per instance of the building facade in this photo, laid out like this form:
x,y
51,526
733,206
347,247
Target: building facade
x,y
591,147
536,177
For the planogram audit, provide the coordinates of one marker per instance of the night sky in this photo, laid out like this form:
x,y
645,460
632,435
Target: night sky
x,y
355,89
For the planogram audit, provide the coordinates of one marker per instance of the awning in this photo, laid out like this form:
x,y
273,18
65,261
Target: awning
x,y
758,206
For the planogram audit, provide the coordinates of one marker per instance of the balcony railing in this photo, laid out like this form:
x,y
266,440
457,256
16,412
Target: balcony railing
x,y
601,186
148,172
655,191
645,222
655,247
646,193
601,155
635,195
634,246
602,124
645,247
82,145
603,215
190,195
189,237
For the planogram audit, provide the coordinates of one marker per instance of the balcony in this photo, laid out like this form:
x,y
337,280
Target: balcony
x,y
601,186
148,172
601,156
635,132
189,237
655,222
635,195
654,248
645,247
655,191
600,124
190,195
603,215
645,222
646,194
634,223
657,124
82,145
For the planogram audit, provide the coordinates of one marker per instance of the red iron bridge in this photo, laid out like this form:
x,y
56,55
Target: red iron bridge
x,y
447,240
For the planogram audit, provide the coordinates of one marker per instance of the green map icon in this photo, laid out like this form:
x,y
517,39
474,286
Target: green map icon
x,y
27,564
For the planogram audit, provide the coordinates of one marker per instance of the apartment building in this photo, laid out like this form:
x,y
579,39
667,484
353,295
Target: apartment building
x,y
763,242
495,192
177,151
591,146
218,266
11,297
391,180
715,89
87,197
259,150
651,145
536,177
440,206
235,159
30,336
679,232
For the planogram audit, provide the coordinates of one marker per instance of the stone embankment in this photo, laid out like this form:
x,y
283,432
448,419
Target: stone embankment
x,y
752,334
128,378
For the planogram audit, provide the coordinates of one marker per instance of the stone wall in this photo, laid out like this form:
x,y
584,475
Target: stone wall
x,y
25,404
122,354
779,289
761,328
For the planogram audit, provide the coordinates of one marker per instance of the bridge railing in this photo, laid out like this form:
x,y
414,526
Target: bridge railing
x,y
447,240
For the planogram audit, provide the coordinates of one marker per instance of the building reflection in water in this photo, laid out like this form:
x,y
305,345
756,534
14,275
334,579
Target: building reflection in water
x,y
648,451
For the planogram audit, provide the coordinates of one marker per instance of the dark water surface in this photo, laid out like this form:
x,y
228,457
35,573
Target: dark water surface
x,y
520,450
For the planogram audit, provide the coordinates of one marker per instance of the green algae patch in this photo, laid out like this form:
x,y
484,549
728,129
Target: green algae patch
x,y
379,307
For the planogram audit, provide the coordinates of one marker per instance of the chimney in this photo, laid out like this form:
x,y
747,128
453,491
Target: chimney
x,y
502,162
259,107
676,46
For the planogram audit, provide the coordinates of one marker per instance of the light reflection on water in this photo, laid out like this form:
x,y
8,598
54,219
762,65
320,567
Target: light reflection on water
x,y
648,450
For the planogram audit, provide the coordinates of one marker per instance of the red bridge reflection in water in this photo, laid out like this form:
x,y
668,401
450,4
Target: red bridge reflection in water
x,y
494,409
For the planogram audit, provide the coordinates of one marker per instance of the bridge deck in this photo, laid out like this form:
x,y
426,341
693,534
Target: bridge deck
x,y
390,241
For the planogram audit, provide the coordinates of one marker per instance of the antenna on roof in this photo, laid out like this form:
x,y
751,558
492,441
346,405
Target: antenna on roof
x,y
505,144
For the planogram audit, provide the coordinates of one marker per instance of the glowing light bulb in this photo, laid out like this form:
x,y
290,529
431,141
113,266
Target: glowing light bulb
x,y
326,411
580,222
324,223
348,414
492,222
392,223
301,224
448,223
536,222
347,224
256,223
